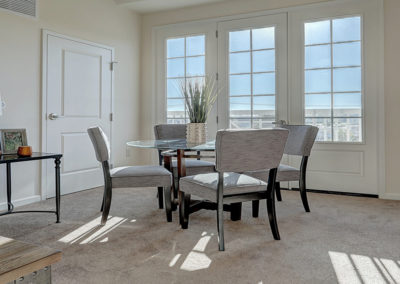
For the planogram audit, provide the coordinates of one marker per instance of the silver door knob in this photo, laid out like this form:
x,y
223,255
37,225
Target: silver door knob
x,y
54,116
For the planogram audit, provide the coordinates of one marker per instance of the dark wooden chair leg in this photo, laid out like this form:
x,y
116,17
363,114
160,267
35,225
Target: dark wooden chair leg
x,y
184,210
255,206
302,183
278,191
236,211
220,224
272,218
303,194
175,194
107,205
160,198
102,205
168,210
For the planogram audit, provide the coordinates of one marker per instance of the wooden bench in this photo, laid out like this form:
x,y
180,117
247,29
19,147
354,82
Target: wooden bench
x,y
25,262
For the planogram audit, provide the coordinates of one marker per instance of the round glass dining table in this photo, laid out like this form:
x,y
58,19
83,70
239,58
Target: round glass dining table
x,y
175,148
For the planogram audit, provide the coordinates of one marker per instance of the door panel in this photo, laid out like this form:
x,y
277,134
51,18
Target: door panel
x,y
79,89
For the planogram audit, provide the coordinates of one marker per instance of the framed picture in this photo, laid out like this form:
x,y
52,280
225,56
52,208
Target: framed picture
x,y
11,139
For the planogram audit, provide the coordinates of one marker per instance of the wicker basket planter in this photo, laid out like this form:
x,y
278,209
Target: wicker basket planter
x,y
196,133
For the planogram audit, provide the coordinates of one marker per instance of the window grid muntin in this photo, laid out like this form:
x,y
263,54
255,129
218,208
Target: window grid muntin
x,y
185,78
251,73
332,92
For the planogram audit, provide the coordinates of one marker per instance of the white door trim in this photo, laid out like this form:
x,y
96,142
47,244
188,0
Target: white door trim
x,y
45,35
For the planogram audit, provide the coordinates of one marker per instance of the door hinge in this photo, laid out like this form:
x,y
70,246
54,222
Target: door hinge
x,y
217,118
111,117
216,76
216,33
112,63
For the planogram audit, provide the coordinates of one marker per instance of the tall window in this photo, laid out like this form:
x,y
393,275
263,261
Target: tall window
x,y
252,78
333,78
185,61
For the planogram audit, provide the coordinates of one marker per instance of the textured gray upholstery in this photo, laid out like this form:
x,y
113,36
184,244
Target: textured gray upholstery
x,y
300,140
178,131
170,131
205,185
140,176
249,150
194,167
285,173
100,143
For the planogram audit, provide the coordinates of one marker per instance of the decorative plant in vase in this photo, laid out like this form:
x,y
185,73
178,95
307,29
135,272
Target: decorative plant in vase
x,y
199,96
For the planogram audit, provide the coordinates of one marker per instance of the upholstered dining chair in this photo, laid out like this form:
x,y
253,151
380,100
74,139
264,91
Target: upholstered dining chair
x,y
237,151
193,166
299,143
132,176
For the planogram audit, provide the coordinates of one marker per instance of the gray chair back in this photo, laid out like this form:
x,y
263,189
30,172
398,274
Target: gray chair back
x,y
170,131
100,143
249,150
301,139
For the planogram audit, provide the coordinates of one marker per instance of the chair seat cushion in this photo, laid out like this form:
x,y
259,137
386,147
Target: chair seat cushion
x,y
285,173
140,176
205,185
194,167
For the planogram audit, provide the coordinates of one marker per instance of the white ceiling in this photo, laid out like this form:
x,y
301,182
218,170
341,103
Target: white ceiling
x,y
148,6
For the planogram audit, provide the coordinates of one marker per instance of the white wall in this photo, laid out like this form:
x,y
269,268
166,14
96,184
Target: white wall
x,y
99,21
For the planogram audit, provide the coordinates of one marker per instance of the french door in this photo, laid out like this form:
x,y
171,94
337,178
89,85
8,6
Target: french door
x,y
252,68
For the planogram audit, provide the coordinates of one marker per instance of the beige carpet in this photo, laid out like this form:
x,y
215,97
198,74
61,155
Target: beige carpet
x,y
344,239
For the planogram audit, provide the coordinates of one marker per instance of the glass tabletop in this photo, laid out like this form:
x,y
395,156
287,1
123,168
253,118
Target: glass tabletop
x,y
173,144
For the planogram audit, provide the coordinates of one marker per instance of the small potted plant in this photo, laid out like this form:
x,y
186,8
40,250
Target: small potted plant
x,y
199,96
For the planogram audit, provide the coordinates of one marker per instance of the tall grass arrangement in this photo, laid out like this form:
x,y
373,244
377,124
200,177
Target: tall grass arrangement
x,y
199,96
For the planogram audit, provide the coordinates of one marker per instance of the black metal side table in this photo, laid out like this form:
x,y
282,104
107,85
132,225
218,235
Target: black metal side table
x,y
9,159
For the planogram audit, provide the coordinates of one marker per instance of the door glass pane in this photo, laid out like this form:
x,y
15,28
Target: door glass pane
x,y
317,32
255,63
347,79
346,54
239,62
264,84
337,109
264,107
195,66
240,106
240,123
346,29
173,88
317,56
176,67
324,127
176,47
263,38
239,85
347,129
347,105
239,40
264,61
318,81
318,105
195,45
185,62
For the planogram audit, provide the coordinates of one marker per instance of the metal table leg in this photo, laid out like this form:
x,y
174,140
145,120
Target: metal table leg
x,y
57,162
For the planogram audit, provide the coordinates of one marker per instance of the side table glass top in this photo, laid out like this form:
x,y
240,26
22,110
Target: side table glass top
x,y
173,144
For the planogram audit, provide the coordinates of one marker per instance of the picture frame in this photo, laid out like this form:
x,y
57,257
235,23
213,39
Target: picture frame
x,y
11,139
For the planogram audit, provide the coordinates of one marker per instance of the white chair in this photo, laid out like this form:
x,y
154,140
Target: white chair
x,y
133,176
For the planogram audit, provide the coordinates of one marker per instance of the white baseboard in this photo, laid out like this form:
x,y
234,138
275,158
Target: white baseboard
x,y
391,196
22,201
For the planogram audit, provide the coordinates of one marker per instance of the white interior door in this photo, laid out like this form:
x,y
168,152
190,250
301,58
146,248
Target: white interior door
x,y
252,63
78,94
